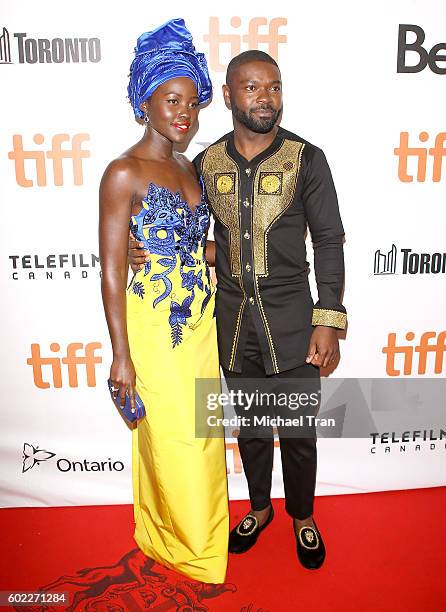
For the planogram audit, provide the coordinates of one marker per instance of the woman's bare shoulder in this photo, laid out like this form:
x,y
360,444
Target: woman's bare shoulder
x,y
122,174
126,165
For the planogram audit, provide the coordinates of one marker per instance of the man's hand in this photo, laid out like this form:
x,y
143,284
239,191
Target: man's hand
x,y
324,346
136,255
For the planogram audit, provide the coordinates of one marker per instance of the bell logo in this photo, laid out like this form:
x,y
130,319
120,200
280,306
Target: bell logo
x,y
56,154
253,38
430,342
76,355
435,58
437,153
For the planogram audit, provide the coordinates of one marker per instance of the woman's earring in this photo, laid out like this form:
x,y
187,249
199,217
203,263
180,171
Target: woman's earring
x,y
146,118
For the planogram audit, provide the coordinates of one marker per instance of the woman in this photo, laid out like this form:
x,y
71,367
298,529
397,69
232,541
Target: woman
x,y
163,331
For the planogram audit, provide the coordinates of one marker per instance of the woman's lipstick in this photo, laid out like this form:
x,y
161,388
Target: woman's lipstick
x,y
182,126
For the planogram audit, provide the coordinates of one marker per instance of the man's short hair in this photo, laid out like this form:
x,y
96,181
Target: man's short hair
x,y
253,55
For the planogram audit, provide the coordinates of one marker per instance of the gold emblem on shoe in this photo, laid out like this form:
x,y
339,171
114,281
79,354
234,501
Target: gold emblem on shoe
x,y
310,535
225,183
250,518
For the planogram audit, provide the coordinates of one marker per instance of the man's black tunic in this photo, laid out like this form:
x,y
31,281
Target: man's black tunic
x,y
262,209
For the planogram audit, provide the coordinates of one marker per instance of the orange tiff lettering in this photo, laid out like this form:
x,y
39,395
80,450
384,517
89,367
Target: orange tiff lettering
x,y
76,355
73,151
254,37
421,155
425,347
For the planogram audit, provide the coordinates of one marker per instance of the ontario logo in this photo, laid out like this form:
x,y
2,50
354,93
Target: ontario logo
x,y
33,455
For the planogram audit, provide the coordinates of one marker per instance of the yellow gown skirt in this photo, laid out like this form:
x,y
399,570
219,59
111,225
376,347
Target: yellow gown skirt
x,y
179,480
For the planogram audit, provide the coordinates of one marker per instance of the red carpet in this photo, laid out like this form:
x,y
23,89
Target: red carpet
x,y
385,552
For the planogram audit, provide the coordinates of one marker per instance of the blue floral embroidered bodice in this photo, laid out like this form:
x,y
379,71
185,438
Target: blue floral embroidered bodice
x,y
177,276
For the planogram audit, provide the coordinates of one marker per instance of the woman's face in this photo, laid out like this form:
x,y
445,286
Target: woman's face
x,y
173,109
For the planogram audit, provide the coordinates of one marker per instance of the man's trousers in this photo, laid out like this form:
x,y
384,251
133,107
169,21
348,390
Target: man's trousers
x,y
297,444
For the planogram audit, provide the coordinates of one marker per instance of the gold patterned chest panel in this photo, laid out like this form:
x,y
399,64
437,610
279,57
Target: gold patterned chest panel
x,y
274,187
220,175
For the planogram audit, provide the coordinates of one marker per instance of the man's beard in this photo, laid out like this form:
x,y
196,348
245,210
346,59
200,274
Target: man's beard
x,y
260,125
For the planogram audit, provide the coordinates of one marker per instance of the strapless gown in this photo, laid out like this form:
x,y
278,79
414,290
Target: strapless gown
x,y
179,480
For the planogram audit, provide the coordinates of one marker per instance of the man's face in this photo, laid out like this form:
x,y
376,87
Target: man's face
x,y
254,95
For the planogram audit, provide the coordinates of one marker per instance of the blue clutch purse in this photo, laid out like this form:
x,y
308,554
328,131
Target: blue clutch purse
x,y
126,410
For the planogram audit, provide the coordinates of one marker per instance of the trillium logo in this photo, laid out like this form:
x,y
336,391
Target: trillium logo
x,y
33,455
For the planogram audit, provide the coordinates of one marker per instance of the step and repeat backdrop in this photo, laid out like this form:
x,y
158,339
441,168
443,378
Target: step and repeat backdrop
x,y
366,84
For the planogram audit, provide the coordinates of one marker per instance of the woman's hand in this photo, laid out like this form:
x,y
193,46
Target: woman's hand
x,y
123,379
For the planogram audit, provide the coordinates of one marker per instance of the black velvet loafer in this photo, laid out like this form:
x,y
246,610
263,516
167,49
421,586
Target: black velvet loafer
x,y
245,534
310,547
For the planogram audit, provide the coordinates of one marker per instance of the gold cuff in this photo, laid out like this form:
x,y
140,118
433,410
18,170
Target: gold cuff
x,y
330,318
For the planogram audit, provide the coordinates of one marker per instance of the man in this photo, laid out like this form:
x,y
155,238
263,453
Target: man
x,y
265,185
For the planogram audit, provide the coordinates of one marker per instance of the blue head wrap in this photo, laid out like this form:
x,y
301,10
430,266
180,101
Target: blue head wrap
x,y
163,54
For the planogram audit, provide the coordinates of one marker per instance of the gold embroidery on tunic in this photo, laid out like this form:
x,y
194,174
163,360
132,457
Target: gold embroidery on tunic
x,y
270,183
263,315
266,326
330,318
238,324
225,183
220,175
274,186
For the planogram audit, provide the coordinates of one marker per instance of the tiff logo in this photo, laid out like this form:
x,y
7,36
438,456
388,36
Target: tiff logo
x,y
385,263
5,48
86,357
437,152
56,154
256,36
437,348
